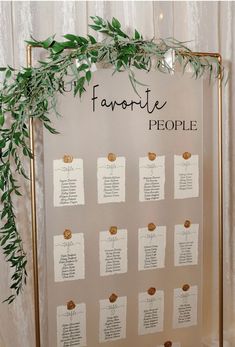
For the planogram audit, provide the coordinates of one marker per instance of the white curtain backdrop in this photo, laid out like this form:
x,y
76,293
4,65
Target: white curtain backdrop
x,y
210,26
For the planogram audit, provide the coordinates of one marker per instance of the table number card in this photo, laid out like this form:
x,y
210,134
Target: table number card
x,y
186,173
185,307
113,319
69,263
71,326
68,182
151,312
111,180
152,245
113,252
151,178
186,245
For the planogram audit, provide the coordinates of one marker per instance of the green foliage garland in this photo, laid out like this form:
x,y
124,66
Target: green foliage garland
x,y
31,93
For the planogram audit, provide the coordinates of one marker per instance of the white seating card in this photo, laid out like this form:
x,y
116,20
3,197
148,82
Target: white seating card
x,y
186,173
111,180
113,319
68,183
151,312
71,326
113,252
69,263
152,245
186,245
151,179
185,307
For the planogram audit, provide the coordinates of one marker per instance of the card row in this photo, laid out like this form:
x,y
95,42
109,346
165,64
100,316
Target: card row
x,y
71,319
69,253
68,179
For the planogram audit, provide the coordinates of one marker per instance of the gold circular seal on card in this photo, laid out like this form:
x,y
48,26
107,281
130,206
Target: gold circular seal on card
x,y
152,291
151,226
152,156
168,344
113,230
112,157
187,155
186,287
113,297
67,234
187,224
70,305
67,158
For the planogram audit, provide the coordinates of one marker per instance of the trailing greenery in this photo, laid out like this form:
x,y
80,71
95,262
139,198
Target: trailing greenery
x,y
31,93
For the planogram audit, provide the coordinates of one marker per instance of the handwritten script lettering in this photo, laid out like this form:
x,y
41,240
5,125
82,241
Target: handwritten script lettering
x,y
126,104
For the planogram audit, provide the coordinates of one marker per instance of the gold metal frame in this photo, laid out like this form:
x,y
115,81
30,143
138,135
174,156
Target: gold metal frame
x,y
220,206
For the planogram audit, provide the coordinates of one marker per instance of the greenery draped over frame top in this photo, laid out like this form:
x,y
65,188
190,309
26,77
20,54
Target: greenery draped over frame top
x,y
31,93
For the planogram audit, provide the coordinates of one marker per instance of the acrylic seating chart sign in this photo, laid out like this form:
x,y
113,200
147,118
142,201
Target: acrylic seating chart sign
x,y
124,214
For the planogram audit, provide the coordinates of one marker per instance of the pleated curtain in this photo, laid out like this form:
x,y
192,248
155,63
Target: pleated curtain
x,y
208,27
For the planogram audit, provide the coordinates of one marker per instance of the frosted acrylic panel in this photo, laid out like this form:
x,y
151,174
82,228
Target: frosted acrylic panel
x,y
89,131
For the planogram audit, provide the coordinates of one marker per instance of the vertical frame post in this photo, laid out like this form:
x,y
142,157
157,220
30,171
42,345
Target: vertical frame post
x,y
34,220
220,207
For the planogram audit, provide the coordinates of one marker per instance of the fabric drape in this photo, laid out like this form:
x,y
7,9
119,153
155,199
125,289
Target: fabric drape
x,y
208,26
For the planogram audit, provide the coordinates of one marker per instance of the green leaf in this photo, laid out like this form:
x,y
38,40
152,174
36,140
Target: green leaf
x,y
2,143
3,68
94,53
57,47
122,34
82,67
70,37
48,42
2,118
10,299
97,20
1,184
115,23
137,35
68,44
52,130
79,86
11,68
119,64
4,196
88,76
8,73
92,39
82,40
4,240
111,27
18,193
95,27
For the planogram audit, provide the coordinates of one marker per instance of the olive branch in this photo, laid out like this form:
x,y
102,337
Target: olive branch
x,y
31,93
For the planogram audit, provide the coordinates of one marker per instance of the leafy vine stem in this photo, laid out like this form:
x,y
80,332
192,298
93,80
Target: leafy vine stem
x,y
31,93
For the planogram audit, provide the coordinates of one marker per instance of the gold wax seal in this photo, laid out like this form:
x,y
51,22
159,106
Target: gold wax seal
x,y
187,224
67,158
67,234
113,230
186,155
152,156
113,297
168,344
70,305
151,226
186,287
112,157
152,291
